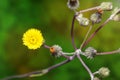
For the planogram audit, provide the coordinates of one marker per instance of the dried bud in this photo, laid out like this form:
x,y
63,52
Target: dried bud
x,y
55,50
73,4
82,20
104,72
96,17
106,6
96,78
90,52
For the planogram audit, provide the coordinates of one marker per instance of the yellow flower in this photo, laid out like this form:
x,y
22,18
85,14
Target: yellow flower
x,y
33,38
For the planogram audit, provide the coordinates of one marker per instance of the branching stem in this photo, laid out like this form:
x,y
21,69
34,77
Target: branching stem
x,y
85,66
39,72
101,26
111,52
89,9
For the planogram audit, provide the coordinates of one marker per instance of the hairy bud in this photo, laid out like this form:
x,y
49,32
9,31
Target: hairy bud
x,y
104,72
73,4
106,6
82,20
55,50
96,17
90,52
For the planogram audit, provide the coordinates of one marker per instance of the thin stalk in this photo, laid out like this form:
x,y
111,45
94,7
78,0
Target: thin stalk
x,y
72,32
90,28
46,46
86,67
89,9
64,55
89,39
110,52
69,54
97,72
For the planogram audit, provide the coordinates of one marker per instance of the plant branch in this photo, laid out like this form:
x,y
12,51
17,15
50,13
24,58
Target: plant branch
x,y
64,55
69,54
89,39
46,46
86,67
59,64
111,52
39,72
95,72
72,32
89,9
73,21
101,26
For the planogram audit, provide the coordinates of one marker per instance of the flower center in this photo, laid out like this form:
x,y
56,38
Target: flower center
x,y
33,40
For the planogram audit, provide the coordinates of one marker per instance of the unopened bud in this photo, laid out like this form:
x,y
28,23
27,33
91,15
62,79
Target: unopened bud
x,y
96,17
73,4
55,50
82,20
90,52
104,72
106,6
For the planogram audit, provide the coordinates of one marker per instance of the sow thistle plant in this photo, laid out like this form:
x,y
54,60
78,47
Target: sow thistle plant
x,y
33,39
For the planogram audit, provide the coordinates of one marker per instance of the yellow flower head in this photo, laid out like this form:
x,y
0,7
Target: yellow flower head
x,y
33,38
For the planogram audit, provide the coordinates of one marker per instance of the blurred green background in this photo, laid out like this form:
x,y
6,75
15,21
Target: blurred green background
x,y
53,18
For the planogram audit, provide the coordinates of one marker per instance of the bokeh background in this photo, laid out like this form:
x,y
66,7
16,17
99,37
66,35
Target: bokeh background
x,y
53,18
